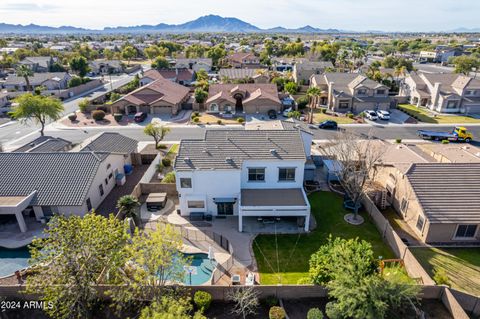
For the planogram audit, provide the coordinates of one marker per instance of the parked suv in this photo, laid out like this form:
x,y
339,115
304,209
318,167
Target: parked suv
x,y
371,115
140,117
383,115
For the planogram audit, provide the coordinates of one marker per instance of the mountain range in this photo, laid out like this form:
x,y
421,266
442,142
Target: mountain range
x,y
209,23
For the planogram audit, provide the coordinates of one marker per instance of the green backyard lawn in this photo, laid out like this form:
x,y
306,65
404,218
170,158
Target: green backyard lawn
x,y
423,115
289,263
462,265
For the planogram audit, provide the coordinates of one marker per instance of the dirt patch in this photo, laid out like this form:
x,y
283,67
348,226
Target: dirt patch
x,y
213,119
222,310
85,119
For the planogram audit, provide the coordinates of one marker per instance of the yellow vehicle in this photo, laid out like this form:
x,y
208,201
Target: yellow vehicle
x,y
459,133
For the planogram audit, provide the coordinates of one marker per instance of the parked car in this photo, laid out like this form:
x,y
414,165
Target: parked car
x,y
272,114
329,124
140,117
285,113
383,115
371,115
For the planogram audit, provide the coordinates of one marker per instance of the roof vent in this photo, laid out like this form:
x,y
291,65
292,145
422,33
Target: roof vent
x,y
273,151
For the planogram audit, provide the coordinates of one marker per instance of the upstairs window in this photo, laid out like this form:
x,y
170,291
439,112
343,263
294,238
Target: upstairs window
x,y
100,188
380,92
185,182
362,92
256,174
420,222
286,174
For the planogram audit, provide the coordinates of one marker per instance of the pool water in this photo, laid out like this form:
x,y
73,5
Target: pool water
x,y
12,260
200,269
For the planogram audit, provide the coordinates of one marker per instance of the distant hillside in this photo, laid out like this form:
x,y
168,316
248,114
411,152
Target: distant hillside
x,y
209,23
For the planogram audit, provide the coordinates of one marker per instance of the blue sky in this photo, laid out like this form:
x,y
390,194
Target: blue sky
x,y
358,15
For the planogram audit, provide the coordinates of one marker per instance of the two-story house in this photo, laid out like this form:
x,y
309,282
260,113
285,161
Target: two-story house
x,y
443,93
243,60
250,174
351,92
194,64
303,70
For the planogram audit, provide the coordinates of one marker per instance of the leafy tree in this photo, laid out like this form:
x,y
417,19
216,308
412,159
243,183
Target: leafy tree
x,y
313,93
294,114
156,131
128,207
108,54
25,72
216,53
170,308
128,53
464,64
75,81
291,87
245,301
160,63
202,75
154,260
151,52
71,258
79,65
37,108
200,95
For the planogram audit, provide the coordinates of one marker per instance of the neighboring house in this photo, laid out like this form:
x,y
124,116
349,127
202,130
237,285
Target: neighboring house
x,y
351,92
44,184
194,64
439,201
110,142
242,98
46,144
105,67
440,54
247,75
158,97
4,101
39,64
251,174
50,81
303,70
242,60
444,93
180,76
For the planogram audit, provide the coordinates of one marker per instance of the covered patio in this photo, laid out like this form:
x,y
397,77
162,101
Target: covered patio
x,y
274,206
16,205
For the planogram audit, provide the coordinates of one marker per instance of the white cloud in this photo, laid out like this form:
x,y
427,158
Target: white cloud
x,y
341,14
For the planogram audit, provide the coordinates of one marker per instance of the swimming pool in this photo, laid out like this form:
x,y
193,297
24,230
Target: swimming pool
x,y
12,260
200,269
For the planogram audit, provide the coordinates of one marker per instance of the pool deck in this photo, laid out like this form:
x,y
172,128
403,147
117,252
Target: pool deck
x,y
11,237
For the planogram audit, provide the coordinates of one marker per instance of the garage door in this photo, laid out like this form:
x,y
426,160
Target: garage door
x,y
162,110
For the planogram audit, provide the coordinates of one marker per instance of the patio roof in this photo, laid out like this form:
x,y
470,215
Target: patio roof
x,y
273,197
11,201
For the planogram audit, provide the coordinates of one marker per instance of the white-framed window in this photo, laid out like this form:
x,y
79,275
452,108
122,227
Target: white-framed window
x,y
256,174
451,104
343,104
196,204
381,92
362,92
286,174
214,107
227,108
185,182
404,205
466,231
420,222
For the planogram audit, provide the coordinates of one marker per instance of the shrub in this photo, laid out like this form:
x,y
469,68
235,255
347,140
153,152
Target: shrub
x,y
350,115
114,96
440,276
276,313
72,117
196,119
398,140
166,162
169,178
75,81
302,102
162,147
118,117
240,120
202,300
98,115
219,122
271,301
323,110
83,105
102,108
315,313
196,113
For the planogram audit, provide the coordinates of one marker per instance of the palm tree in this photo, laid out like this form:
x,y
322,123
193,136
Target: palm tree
x,y
128,206
313,93
24,71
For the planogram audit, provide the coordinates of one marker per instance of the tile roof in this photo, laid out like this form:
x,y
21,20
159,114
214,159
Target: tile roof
x,y
60,179
45,144
251,90
36,79
447,192
110,142
237,73
227,149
